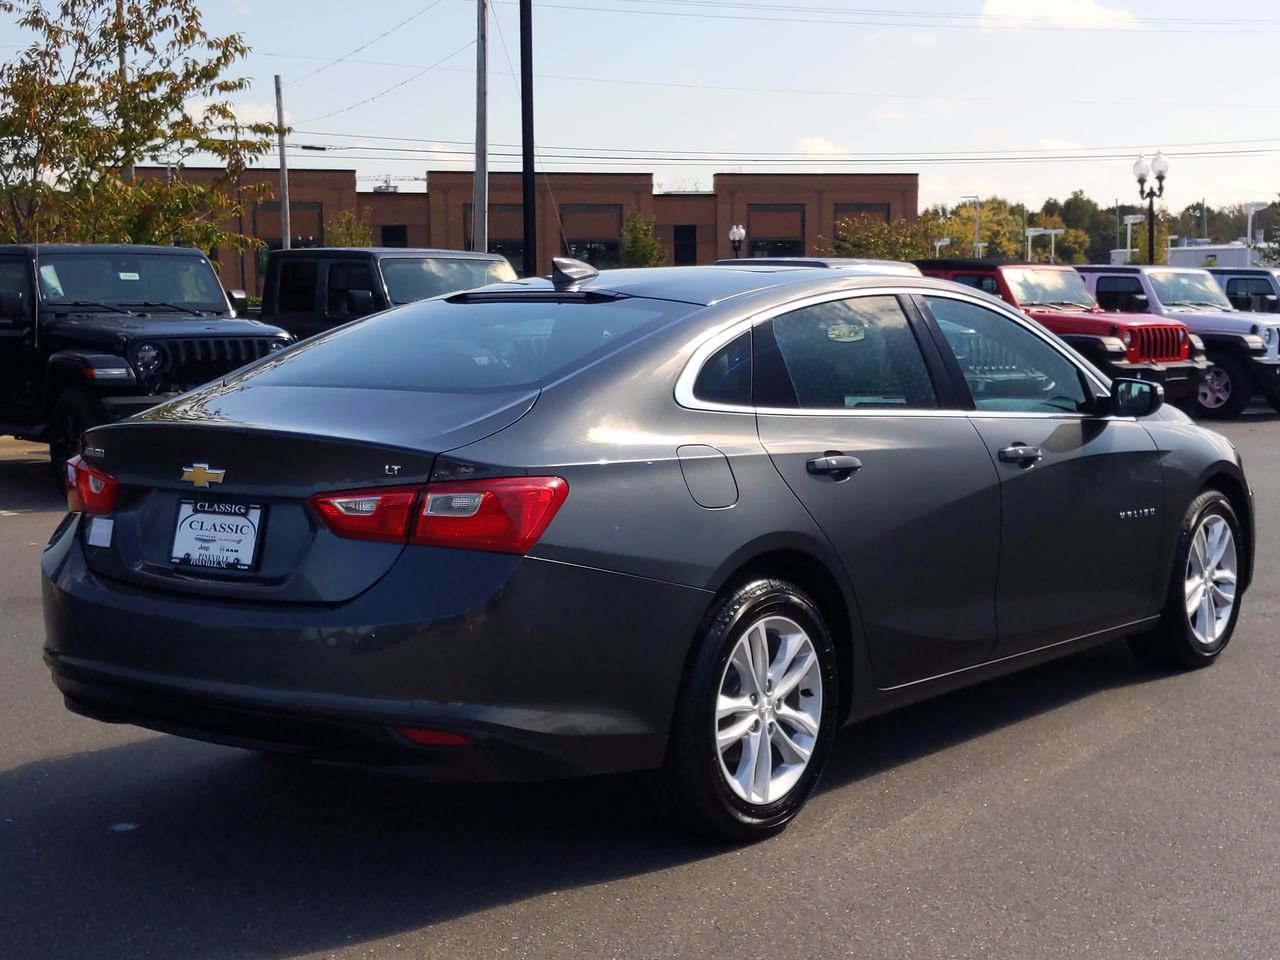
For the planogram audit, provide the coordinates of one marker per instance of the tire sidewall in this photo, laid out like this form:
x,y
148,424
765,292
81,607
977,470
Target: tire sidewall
x,y
1241,388
748,605
1204,506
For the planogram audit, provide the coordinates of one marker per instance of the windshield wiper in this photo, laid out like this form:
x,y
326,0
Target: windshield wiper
x,y
1072,303
171,306
88,304
1036,303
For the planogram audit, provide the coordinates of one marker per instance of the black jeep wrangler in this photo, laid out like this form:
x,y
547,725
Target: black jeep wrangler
x,y
94,333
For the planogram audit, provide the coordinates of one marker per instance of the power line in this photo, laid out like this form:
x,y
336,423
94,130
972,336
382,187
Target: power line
x,y
364,46
396,86
810,92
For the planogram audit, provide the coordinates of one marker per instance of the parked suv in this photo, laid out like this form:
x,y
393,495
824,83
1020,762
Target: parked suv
x,y
93,333
1243,348
311,290
1121,345
1252,289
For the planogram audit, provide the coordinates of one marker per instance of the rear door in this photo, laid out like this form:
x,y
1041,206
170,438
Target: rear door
x,y
1081,495
858,419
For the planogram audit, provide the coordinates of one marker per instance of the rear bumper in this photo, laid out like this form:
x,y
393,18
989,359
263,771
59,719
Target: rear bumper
x,y
1180,378
550,669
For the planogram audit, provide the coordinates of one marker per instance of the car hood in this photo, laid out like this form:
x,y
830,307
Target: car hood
x,y
1095,321
162,326
1218,321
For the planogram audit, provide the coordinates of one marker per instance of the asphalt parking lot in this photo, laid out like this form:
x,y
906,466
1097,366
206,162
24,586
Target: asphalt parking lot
x,y
1088,808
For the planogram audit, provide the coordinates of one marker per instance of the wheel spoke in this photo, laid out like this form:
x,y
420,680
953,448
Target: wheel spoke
x,y
741,661
1221,540
731,734
1209,614
1197,550
786,745
759,657
1195,593
798,719
799,670
789,644
727,706
763,767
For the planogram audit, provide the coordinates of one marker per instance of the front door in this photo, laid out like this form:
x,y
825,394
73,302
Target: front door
x,y
856,424
1081,495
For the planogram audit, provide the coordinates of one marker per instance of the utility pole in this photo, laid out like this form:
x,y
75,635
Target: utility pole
x,y
530,199
480,197
126,168
285,232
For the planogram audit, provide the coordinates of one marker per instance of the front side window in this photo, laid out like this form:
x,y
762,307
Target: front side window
x,y
1188,289
850,354
409,279
1006,366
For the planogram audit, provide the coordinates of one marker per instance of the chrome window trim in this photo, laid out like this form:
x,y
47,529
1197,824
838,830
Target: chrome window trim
x,y
688,376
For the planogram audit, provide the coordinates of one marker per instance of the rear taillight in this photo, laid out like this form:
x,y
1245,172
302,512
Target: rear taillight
x,y
90,490
377,514
507,515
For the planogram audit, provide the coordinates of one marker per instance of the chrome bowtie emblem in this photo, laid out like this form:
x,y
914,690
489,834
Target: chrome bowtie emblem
x,y
201,474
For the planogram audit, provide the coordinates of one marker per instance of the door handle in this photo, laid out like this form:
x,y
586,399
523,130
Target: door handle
x,y
1021,454
834,463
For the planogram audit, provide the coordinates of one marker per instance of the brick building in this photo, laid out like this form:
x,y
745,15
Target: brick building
x,y
579,214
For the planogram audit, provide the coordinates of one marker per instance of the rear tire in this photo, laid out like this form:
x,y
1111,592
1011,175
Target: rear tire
x,y
75,411
1225,390
1204,601
755,717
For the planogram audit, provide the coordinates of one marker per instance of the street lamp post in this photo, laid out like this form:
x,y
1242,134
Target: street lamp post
x,y
1159,168
737,233
939,244
1251,209
1032,232
977,221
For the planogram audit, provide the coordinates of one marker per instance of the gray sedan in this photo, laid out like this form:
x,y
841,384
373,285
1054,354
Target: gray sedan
x,y
685,521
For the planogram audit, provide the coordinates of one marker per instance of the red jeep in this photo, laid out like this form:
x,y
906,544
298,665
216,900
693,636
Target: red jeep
x,y
1119,344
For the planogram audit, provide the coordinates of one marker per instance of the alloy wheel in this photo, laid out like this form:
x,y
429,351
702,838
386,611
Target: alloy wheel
x,y
1215,388
1211,580
769,710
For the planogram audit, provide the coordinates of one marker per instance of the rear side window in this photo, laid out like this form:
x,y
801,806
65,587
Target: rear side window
x,y
979,281
297,289
472,347
1116,293
847,354
726,376
343,278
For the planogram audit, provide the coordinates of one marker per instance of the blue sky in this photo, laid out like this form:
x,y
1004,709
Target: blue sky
x,y
1036,76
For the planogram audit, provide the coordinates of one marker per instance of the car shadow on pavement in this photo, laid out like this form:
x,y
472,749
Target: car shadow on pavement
x,y
168,848
26,484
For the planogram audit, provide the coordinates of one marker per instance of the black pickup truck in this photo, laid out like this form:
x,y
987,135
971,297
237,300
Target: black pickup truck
x,y
310,290
92,333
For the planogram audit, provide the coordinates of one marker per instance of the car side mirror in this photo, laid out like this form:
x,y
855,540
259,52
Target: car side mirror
x,y
1135,398
1138,303
12,306
361,303
239,302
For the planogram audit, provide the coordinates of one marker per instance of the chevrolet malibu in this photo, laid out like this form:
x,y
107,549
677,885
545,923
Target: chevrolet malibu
x,y
686,521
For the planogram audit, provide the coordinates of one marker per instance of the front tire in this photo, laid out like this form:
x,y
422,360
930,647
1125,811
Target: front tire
x,y
1225,390
755,717
75,411
1204,602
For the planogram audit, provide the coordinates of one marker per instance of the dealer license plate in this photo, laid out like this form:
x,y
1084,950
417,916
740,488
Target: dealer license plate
x,y
223,536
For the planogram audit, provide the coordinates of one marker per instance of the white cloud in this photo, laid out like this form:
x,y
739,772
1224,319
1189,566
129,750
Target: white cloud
x,y
819,145
925,40
1049,143
888,113
1077,14
246,112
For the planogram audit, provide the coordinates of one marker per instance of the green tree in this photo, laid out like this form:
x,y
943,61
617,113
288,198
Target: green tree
x,y
1072,246
999,229
640,245
350,228
870,237
73,126
1162,239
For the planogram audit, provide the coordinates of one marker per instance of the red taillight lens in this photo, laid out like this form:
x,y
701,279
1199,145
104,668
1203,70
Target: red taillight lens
x,y
381,513
433,738
90,490
507,515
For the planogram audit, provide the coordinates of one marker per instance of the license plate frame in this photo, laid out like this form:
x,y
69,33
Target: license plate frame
x,y
218,544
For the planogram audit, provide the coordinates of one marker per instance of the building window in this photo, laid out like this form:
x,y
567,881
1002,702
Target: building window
x,y
685,245
760,247
513,250
601,254
395,235
852,211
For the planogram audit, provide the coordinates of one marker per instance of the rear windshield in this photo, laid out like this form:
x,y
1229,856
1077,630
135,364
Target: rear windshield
x,y
409,279
442,346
